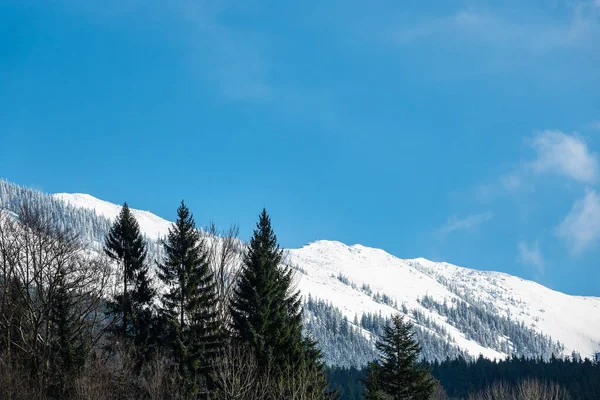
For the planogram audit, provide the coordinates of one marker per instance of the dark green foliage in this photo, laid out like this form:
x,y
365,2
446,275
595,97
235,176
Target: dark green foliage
x,y
313,359
190,325
131,309
372,382
347,381
70,343
265,314
459,377
397,375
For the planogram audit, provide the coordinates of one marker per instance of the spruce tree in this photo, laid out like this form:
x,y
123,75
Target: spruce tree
x,y
70,341
132,307
397,374
266,315
189,307
312,359
371,383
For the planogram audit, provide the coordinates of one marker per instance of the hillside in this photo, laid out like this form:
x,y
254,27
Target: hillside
x,y
351,290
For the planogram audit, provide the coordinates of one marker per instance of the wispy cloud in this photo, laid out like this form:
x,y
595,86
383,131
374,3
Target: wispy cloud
x,y
581,227
232,59
467,223
594,125
507,31
566,155
496,39
531,255
555,153
512,182
498,31
237,60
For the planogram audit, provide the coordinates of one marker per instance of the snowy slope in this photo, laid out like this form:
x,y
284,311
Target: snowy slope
x,y
323,261
572,320
153,226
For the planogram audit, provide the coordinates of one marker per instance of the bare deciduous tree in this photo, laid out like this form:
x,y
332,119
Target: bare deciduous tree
x,y
237,375
225,252
158,380
531,389
528,389
299,384
45,271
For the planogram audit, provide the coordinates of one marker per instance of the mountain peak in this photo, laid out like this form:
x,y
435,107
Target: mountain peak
x,y
152,225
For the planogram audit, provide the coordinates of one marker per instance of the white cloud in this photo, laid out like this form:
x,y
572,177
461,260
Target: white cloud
x,y
563,154
531,255
581,227
470,222
508,31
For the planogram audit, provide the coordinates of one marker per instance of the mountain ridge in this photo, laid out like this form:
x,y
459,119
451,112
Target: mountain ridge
x,y
456,310
444,269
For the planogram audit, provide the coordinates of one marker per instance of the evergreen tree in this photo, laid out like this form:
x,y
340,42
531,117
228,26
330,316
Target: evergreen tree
x,y
266,315
371,383
69,343
313,359
399,377
189,314
132,307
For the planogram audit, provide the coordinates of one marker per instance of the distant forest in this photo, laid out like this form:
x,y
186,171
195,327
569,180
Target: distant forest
x,y
461,378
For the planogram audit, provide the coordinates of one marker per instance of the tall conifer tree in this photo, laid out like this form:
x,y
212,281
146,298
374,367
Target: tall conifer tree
x,y
70,342
266,315
371,383
189,305
397,376
132,307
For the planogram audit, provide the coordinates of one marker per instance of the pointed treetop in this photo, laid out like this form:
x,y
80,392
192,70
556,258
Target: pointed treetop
x,y
183,212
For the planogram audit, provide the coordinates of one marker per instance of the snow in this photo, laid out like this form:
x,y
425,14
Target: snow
x,y
324,260
153,226
9,213
572,320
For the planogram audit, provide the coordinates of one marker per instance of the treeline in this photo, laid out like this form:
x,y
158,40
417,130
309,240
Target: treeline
x,y
90,227
479,322
579,378
82,324
488,328
513,378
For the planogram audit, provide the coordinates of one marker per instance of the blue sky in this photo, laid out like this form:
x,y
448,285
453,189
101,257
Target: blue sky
x,y
459,131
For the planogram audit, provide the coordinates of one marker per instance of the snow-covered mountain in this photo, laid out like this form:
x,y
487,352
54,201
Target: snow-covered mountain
x,y
352,289
153,226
